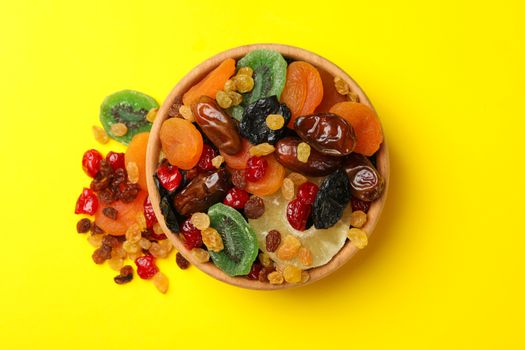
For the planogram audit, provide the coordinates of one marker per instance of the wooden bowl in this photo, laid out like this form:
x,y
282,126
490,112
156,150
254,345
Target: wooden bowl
x,y
154,148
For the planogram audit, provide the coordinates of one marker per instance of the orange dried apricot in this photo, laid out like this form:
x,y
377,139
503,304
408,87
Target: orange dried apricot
x,y
330,94
136,153
271,181
238,160
181,142
127,215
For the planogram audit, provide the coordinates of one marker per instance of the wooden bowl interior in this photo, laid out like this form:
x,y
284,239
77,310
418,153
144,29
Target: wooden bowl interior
x,y
153,150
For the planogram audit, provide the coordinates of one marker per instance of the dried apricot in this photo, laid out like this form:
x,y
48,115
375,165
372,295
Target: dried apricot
x,y
181,142
127,215
271,180
238,160
330,94
136,153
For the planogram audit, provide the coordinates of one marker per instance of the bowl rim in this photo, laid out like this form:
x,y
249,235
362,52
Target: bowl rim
x,y
153,151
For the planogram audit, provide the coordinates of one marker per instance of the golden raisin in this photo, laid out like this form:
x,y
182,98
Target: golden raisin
x,y
116,263
145,243
288,189
186,113
298,179
276,277
353,97
223,100
217,161
244,83
245,71
305,256
166,245
305,276
265,259
119,129
95,240
100,134
275,121
292,274
133,172
200,255
141,220
358,218
230,85
212,239
131,248
157,251
358,237
236,97
135,255
201,221
288,248
118,252
152,114
341,86
161,282
303,152
157,229
262,149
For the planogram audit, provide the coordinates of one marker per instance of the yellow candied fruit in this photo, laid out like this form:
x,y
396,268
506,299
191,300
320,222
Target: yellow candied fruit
x,y
341,86
133,172
200,255
288,189
275,121
152,114
186,113
236,97
201,221
358,218
161,282
119,129
229,86
303,152
292,274
217,161
358,237
245,71
223,99
305,256
244,83
262,149
265,259
289,248
276,277
298,179
212,239
100,134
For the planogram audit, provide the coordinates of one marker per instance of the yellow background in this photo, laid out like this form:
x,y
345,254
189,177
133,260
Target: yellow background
x,y
445,268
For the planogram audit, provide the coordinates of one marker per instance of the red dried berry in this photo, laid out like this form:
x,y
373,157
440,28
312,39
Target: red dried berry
x,y
116,160
255,168
146,267
208,153
87,202
149,214
191,235
169,176
307,192
236,198
91,162
297,213
358,204
254,272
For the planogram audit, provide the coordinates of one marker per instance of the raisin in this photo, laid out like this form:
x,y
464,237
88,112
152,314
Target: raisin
x,y
254,207
101,254
110,212
212,239
275,121
265,271
182,263
129,193
238,179
358,204
119,129
289,248
161,282
358,218
292,274
125,276
273,239
100,134
217,161
83,225
96,230
331,199
262,149
201,221
173,111
255,270
110,241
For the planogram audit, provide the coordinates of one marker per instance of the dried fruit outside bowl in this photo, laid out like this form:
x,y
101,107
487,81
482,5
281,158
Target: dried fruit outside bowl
x,y
154,148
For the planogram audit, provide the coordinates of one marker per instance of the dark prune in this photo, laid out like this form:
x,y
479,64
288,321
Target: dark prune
x,y
202,192
253,123
331,199
318,164
366,183
326,132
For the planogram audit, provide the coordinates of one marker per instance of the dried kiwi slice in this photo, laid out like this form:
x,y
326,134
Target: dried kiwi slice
x,y
129,107
240,242
269,75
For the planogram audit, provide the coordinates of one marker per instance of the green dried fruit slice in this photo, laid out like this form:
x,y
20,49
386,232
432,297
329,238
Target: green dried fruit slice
x,y
269,75
240,242
129,107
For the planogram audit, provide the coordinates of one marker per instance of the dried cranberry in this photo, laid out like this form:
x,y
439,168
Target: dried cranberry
x,y
191,235
236,198
169,176
255,168
91,162
254,272
87,202
146,267
149,214
238,179
116,160
358,204
297,213
208,153
307,192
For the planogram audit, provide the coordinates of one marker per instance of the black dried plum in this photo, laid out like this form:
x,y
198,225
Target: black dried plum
x,y
253,123
331,199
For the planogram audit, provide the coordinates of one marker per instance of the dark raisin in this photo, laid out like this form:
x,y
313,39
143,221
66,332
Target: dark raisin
x,y
125,276
331,199
254,208
253,123
98,185
358,204
255,270
273,239
265,271
238,179
96,230
101,254
110,212
174,108
110,241
83,225
181,261
129,193
107,196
